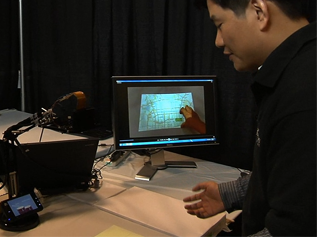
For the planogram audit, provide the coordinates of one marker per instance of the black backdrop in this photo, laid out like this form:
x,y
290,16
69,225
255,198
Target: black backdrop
x,y
77,45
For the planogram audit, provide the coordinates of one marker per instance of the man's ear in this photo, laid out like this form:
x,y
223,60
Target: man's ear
x,y
262,13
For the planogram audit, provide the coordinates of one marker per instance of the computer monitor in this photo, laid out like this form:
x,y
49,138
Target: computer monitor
x,y
146,112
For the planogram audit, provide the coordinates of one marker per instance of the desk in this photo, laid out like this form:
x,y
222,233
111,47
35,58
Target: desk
x,y
86,213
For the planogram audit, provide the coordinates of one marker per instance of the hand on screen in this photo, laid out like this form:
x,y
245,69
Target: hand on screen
x,y
192,120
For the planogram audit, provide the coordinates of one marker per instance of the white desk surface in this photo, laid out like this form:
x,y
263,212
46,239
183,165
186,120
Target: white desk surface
x,y
83,214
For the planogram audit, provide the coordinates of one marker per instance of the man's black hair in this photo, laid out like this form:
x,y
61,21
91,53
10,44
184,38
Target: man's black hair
x,y
294,9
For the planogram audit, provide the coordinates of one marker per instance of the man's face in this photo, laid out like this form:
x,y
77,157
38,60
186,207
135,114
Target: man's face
x,y
237,35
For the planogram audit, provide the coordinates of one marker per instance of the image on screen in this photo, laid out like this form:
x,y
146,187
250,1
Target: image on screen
x,y
22,205
155,111
161,111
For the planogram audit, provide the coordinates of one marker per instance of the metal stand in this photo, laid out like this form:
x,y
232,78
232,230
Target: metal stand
x,y
21,58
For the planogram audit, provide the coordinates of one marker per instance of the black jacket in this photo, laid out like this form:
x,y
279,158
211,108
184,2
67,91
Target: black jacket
x,y
282,192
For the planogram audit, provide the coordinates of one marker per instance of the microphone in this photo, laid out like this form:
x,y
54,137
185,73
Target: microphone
x,y
62,110
59,114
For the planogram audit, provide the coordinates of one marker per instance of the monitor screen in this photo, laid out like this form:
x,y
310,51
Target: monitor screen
x,y
147,111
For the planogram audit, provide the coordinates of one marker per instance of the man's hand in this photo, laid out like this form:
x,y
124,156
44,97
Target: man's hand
x,y
192,120
188,112
208,203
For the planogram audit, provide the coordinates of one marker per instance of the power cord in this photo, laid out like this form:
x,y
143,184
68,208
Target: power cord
x,y
95,180
96,175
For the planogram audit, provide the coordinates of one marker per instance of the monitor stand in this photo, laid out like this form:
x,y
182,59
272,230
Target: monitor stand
x,y
157,162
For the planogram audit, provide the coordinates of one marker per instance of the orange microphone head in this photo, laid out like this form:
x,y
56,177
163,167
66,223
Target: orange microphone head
x,y
66,105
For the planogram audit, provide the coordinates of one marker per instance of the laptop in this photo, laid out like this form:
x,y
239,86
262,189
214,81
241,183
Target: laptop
x,y
56,167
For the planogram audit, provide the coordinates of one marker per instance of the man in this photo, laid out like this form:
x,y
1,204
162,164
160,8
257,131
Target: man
x,y
273,39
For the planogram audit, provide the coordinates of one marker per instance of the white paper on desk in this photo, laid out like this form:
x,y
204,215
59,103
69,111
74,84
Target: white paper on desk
x,y
158,211
93,196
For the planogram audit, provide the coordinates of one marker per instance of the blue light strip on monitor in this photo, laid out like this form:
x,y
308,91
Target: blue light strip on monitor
x,y
167,142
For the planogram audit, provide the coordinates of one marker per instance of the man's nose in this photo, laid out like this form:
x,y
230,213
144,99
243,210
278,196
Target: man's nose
x,y
219,40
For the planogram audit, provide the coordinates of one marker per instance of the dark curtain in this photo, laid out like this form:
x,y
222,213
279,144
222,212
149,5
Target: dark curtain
x,y
9,54
77,45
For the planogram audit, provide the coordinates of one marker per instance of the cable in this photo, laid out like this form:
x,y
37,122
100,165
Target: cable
x,y
41,134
